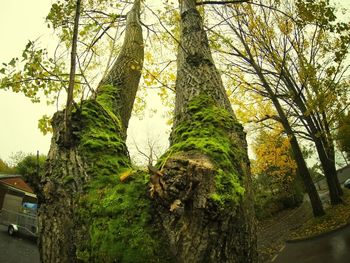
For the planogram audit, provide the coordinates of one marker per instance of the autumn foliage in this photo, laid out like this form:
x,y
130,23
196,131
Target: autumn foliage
x,y
273,156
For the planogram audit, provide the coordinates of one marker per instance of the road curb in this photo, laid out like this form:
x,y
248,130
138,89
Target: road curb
x,y
317,236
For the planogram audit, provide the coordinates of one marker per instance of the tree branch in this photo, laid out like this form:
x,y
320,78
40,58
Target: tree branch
x,y
221,2
71,84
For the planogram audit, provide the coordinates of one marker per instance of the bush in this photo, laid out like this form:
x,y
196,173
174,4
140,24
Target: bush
x,y
268,204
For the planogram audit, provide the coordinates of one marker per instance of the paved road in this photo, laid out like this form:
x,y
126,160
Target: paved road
x,y
19,249
332,248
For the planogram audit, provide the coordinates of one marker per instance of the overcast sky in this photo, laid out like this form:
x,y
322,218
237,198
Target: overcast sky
x,y
20,21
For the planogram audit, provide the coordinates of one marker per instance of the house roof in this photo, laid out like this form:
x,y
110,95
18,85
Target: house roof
x,y
5,176
15,181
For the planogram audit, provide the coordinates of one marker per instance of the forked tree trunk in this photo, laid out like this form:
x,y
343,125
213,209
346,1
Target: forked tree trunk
x,y
204,201
79,177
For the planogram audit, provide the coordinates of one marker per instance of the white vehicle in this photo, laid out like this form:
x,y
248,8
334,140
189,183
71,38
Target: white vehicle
x,y
347,183
18,216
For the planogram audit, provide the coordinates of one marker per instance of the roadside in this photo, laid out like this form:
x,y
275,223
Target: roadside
x,y
273,232
330,247
336,217
299,224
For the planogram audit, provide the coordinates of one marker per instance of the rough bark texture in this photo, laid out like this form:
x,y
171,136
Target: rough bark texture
x,y
204,203
81,177
126,71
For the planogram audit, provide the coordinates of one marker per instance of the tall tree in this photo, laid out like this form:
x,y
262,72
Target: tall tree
x,y
203,195
80,175
267,89
286,57
5,168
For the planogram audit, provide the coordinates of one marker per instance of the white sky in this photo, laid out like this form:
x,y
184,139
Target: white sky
x,y
20,21
23,20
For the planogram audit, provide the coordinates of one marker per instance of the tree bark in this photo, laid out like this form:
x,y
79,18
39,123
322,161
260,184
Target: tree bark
x,y
126,71
81,174
205,204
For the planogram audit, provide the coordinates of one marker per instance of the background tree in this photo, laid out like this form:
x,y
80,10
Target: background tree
x,y
29,167
275,170
279,59
343,134
5,168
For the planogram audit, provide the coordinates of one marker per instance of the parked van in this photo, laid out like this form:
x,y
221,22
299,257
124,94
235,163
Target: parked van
x,y
18,206
18,216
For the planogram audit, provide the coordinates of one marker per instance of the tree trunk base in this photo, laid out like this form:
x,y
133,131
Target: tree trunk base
x,y
198,229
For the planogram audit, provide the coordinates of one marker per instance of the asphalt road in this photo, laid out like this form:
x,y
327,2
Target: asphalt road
x,y
331,248
18,249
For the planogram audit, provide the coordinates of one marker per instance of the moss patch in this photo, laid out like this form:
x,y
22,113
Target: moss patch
x,y
116,214
214,132
121,230
336,216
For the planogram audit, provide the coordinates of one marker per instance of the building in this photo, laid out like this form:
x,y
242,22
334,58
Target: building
x,y
14,191
343,173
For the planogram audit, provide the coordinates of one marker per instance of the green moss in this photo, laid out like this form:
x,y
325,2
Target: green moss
x,y
208,129
121,230
68,179
117,214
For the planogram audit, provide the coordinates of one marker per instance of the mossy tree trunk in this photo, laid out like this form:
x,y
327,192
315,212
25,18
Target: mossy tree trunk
x,y
204,201
79,177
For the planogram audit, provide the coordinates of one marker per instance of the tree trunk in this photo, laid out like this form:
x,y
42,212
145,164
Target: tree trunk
x,y
76,191
304,172
327,165
310,188
205,203
329,146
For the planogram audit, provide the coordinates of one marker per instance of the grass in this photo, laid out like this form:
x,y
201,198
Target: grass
x,y
336,217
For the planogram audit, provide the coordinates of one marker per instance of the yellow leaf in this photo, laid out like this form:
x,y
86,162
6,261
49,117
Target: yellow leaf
x,y
125,175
